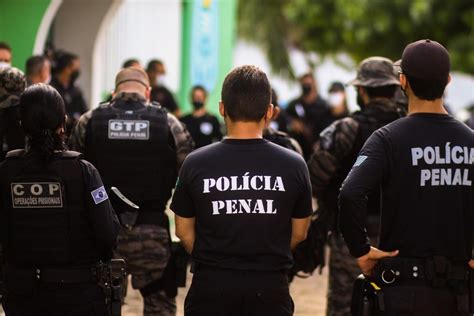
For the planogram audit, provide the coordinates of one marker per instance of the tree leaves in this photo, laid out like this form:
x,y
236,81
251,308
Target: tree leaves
x,y
360,28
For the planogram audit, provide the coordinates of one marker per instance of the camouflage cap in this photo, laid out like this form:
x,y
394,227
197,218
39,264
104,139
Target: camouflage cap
x,y
12,85
375,72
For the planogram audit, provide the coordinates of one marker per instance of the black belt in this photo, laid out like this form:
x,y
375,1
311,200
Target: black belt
x,y
435,272
48,275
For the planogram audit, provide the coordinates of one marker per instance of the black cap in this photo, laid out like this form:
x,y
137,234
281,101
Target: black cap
x,y
425,59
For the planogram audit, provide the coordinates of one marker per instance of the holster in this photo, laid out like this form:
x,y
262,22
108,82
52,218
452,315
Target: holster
x,y
110,277
471,290
2,284
128,219
362,297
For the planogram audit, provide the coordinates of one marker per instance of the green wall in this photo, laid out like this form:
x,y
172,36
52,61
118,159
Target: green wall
x,y
19,24
227,28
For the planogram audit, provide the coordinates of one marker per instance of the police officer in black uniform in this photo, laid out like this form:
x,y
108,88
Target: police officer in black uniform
x,y
56,221
240,205
203,126
334,154
424,166
138,148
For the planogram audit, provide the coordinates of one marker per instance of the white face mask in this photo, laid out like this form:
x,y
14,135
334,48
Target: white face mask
x,y
4,64
336,99
160,80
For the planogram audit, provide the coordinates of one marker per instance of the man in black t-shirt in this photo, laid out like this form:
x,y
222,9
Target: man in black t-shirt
x,y
424,166
159,92
241,205
310,114
203,127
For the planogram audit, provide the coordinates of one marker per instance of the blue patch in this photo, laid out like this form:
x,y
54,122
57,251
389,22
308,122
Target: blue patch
x,y
99,195
360,160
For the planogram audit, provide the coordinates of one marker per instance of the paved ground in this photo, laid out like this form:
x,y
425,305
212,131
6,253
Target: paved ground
x,y
308,294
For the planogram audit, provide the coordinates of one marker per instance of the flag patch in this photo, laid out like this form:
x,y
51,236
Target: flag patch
x,y
99,195
360,160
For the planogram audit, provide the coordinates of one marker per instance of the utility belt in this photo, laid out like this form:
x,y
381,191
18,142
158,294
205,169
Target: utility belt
x,y
109,276
435,272
47,275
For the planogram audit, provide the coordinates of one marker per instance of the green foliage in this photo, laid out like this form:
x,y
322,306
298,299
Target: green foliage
x,y
360,28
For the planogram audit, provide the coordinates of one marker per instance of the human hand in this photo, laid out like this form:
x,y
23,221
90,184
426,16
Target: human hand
x,y
471,263
368,261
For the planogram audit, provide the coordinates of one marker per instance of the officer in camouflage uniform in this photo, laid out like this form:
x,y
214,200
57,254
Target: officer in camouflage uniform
x,y
12,84
335,153
138,147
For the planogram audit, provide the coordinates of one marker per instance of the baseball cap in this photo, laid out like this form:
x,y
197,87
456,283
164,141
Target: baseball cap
x,y
12,85
375,72
425,59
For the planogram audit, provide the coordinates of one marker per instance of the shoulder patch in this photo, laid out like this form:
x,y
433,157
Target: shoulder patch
x,y
360,160
99,195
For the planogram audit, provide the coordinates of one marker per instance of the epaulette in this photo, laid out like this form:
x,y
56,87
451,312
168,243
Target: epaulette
x,y
17,153
70,154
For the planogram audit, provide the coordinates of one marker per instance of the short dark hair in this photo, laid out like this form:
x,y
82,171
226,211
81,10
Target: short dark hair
x,y
34,64
198,87
427,89
246,94
4,45
130,62
306,75
63,60
152,64
382,92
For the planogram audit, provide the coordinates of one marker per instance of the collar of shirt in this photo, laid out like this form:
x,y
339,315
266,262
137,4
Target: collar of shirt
x,y
129,97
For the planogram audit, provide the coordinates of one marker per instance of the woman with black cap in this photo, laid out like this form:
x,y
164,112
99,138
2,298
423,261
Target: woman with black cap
x,y
56,221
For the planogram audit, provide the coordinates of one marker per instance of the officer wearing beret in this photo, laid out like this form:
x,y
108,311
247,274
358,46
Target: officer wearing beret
x,y
423,165
332,158
56,221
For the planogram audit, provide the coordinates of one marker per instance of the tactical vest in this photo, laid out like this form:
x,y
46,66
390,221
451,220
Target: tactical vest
x,y
47,219
131,150
369,120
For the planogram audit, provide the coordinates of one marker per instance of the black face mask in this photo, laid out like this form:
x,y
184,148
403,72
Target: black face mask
x,y
360,101
74,75
198,105
306,88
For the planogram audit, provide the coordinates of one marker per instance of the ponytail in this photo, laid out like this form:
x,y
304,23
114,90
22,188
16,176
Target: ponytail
x,y
42,114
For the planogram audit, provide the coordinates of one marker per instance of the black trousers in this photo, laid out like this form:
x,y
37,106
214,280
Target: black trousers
x,y
216,292
55,300
420,300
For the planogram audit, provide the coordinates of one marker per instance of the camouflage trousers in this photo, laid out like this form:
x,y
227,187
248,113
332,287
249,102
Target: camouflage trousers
x,y
146,250
343,270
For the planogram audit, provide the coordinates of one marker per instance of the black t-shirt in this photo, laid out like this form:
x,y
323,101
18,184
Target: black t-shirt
x,y
204,130
243,194
73,99
316,116
424,165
